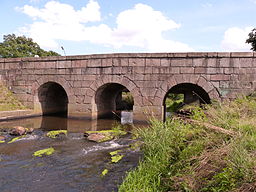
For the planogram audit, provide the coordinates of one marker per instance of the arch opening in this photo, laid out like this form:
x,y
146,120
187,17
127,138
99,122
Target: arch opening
x,y
184,94
53,99
111,99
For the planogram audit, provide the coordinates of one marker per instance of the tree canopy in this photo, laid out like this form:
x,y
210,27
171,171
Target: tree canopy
x,y
252,39
21,46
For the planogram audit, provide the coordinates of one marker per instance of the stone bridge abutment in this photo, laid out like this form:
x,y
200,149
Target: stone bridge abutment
x,y
89,86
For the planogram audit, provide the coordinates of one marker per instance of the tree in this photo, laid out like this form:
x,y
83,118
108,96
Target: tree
x,y
21,46
252,39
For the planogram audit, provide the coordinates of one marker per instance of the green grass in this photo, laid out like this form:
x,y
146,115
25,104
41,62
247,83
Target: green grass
x,y
179,156
7,101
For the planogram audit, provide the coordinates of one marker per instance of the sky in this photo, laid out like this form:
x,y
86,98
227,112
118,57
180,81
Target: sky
x,y
116,26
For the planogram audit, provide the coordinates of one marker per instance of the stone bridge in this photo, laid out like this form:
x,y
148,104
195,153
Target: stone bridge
x,y
88,86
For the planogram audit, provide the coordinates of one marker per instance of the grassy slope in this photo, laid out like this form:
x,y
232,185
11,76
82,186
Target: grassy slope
x,y
7,101
179,156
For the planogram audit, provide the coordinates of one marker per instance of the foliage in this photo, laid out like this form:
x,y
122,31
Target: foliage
x,y
47,151
180,156
174,102
21,46
252,39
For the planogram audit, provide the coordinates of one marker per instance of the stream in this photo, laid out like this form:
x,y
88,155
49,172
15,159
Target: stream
x,y
75,166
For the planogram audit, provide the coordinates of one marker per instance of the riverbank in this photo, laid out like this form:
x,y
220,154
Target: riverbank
x,y
214,150
7,100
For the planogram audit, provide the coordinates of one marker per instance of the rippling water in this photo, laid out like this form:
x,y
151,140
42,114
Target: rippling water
x,y
76,165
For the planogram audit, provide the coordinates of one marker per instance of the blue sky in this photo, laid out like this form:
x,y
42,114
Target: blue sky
x,y
107,26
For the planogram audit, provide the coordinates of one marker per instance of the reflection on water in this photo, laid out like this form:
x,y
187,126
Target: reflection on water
x,y
76,164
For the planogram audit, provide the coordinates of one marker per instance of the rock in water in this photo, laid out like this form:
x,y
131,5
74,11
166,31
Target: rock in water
x,y
97,137
29,130
18,131
105,135
2,138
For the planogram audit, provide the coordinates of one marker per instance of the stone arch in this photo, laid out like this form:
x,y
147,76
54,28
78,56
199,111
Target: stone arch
x,y
186,79
59,83
117,83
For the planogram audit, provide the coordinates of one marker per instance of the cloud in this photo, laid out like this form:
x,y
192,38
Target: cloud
x,y
140,27
207,5
234,39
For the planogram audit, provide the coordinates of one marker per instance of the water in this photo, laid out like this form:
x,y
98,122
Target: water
x,y
76,165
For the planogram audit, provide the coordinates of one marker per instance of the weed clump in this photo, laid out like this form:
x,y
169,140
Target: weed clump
x,y
212,151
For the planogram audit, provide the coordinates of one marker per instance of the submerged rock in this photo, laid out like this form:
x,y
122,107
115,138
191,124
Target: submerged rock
x,y
99,137
102,136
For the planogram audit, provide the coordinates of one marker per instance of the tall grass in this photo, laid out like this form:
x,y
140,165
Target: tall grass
x,y
179,156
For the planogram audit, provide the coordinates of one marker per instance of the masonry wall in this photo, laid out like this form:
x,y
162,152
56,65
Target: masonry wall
x,y
147,76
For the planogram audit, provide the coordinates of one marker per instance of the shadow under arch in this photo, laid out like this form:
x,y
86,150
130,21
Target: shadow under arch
x,y
192,93
111,99
53,99
54,104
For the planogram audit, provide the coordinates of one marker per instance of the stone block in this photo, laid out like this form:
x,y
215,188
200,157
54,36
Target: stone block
x,y
179,63
153,62
138,70
199,62
211,62
224,62
242,54
107,62
220,77
136,62
165,62
245,62
94,63
63,64
224,54
178,55
186,70
200,70
174,70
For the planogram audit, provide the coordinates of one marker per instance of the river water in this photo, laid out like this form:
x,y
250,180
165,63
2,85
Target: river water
x,y
76,165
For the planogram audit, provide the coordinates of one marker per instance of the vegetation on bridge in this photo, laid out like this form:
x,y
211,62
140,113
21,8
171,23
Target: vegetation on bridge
x,y
196,154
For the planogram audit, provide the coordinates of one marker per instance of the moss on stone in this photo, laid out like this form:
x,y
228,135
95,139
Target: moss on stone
x,y
54,134
116,158
47,151
2,141
113,153
104,172
16,138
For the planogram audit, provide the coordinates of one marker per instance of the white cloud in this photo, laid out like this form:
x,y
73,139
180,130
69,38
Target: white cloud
x,y
140,27
234,39
207,5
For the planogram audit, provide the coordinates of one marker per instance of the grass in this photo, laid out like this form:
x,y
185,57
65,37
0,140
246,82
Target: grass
x,y
179,156
7,101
